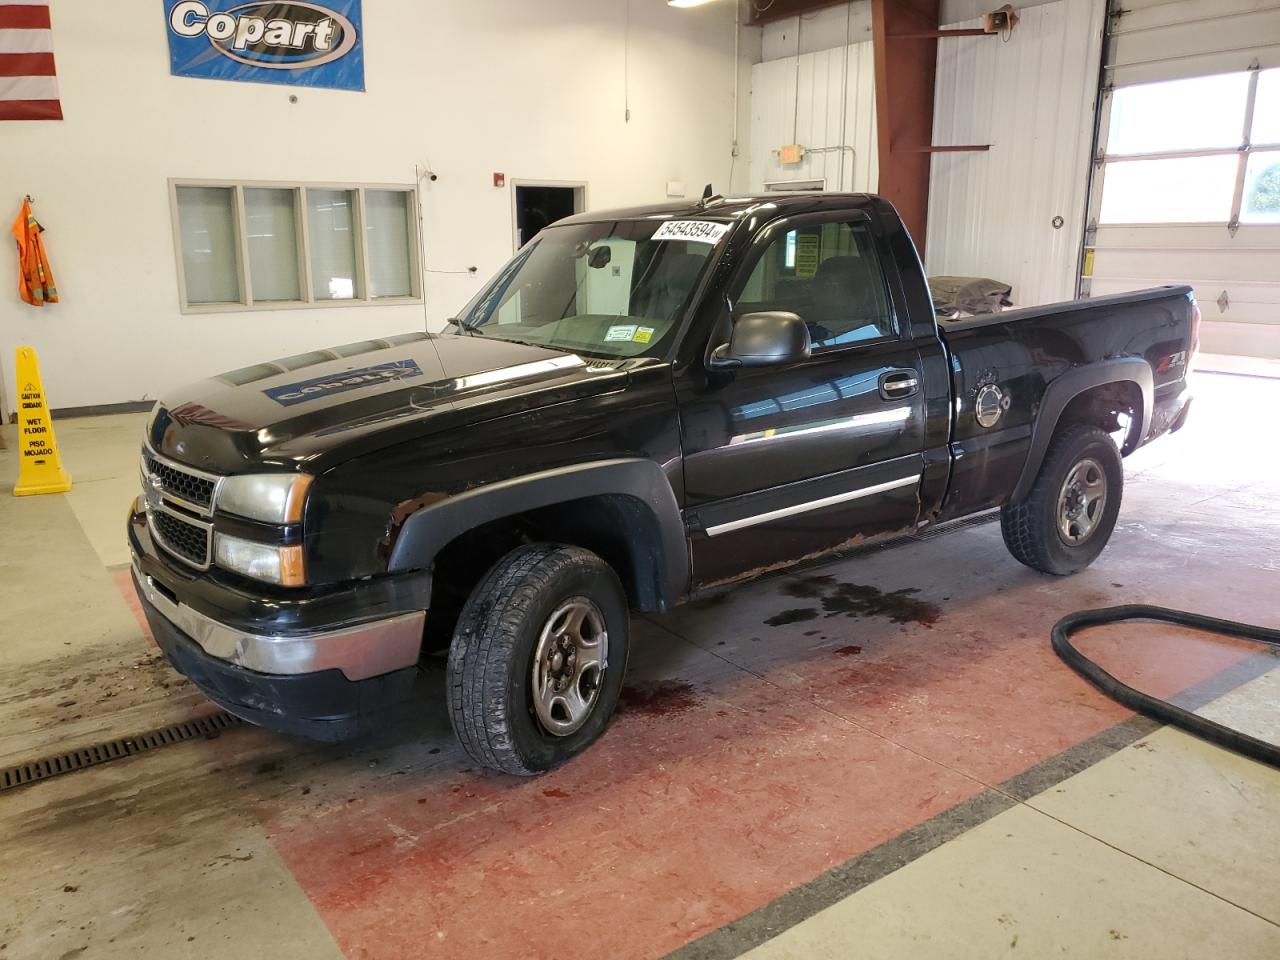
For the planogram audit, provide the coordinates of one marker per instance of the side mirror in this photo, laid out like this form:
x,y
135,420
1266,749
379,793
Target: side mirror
x,y
764,339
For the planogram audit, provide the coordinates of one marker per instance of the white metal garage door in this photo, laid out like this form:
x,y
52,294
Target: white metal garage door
x,y
1188,188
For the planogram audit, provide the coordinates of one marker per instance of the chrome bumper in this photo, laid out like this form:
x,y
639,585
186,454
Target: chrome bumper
x,y
360,652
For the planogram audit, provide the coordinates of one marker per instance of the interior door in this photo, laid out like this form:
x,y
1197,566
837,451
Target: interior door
x,y
792,461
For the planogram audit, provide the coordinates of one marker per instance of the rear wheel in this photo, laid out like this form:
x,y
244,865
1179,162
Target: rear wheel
x,y
1067,518
537,659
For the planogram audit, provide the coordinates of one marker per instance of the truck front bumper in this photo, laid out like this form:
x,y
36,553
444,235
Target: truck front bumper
x,y
325,665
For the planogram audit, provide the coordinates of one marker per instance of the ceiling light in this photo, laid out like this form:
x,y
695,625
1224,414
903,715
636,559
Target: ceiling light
x,y
686,3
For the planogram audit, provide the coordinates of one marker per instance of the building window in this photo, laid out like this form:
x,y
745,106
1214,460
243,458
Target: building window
x,y
1197,150
271,245
208,242
387,235
271,225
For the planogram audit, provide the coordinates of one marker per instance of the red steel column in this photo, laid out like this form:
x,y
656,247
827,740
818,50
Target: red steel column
x,y
905,67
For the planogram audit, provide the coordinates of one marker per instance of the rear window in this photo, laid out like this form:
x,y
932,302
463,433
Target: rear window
x,y
829,275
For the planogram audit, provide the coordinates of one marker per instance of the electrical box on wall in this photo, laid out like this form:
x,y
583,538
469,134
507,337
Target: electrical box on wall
x,y
791,153
1000,21
675,188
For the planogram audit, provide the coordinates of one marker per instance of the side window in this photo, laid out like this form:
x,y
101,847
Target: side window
x,y
829,275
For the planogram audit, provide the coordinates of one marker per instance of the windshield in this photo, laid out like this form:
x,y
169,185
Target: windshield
x,y
612,289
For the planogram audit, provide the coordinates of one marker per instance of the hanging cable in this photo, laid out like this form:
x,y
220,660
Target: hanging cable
x,y
737,38
844,93
626,62
795,112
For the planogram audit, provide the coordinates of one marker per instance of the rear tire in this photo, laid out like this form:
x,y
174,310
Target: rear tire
x,y
1067,518
537,659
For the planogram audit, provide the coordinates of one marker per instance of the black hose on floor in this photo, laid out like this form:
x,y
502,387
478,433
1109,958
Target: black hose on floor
x,y
1154,707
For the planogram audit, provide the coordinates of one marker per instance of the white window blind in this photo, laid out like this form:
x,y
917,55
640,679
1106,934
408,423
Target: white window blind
x,y
389,237
207,218
271,228
331,222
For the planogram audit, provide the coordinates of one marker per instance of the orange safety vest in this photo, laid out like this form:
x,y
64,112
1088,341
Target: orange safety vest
x,y
35,278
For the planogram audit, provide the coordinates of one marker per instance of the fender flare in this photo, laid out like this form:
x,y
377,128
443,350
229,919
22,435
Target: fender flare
x,y
1066,388
427,530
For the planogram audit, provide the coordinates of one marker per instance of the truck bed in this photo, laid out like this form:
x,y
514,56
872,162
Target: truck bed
x,y
1023,353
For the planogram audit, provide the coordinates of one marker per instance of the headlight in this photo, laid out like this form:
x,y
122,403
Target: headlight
x,y
261,561
271,497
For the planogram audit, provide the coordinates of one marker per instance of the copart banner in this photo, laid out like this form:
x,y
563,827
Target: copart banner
x,y
302,44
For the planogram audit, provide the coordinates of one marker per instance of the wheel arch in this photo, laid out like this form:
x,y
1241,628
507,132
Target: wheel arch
x,y
623,509
1074,391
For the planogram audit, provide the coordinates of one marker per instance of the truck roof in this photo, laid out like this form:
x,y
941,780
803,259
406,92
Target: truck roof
x,y
726,208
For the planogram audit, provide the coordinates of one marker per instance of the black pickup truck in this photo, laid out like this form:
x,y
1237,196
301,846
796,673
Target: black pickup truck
x,y
643,406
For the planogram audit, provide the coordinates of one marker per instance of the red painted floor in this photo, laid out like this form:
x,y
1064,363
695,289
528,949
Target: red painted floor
x,y
724,784
678,820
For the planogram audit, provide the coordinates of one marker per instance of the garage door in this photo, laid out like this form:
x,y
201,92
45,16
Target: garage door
x,y
1188,185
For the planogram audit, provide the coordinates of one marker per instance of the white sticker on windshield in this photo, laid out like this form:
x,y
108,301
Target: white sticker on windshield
x,y
699,231
620,333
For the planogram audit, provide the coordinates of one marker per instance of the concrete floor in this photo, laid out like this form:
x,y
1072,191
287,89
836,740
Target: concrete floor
x,y
790,775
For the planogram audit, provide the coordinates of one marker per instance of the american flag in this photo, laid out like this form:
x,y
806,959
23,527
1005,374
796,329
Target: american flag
x,y
28,81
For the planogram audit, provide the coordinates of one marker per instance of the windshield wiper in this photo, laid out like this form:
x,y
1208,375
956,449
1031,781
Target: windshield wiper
x,y
470,330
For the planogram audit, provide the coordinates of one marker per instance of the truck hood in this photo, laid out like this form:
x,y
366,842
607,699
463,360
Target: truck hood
x,y
328,404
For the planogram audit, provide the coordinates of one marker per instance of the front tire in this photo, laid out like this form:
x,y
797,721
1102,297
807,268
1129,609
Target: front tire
x,y
537,659
1067,518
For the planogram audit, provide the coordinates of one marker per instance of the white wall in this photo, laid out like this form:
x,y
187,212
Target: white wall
x,y
467,87
822,29
824,101
991,213
816,87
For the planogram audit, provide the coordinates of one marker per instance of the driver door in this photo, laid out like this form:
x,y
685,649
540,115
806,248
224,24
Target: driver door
x,y
787,462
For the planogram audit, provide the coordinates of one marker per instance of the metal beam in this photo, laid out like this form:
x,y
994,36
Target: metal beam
x,y
949,148
905,68
939,34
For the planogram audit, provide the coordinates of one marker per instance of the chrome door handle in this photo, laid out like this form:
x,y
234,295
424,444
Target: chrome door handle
x,y
899,384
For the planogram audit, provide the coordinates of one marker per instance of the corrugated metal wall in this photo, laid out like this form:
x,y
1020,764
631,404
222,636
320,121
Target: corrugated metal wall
x,y
1032,98
824,101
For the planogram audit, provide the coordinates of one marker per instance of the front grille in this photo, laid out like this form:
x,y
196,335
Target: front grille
x,y
178,483
179,502
188,540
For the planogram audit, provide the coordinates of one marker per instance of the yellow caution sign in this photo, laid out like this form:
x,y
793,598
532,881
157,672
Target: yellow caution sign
x,y
39,465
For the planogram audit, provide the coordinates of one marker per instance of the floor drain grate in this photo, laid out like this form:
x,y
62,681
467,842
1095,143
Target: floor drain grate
x,y
98,753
